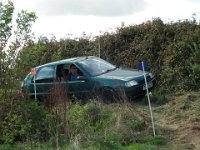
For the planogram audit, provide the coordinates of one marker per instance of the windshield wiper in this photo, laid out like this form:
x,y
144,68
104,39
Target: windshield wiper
x,y
106,71
110,70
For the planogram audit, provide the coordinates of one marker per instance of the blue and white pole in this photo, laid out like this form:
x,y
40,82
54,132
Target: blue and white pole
x,y
35,89
33,72
147,91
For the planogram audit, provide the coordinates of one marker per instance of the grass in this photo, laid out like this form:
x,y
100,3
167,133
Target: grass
x,y
156,99
153,140
178,120
141,147
26,146
125,125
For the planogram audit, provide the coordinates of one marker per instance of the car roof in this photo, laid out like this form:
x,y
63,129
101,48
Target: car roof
x,y
69,60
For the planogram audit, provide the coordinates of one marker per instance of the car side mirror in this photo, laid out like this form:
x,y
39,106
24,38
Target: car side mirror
x,y
82,78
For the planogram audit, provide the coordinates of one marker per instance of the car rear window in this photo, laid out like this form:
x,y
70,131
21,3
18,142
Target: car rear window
x,y
45,73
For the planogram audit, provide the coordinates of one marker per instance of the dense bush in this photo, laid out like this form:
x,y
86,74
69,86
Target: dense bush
x,y
23,120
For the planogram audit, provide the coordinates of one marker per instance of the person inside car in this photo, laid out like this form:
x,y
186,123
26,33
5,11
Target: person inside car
x,y
73,74
62,73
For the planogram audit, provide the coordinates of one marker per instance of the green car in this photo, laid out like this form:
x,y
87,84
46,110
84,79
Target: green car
x,y
87,75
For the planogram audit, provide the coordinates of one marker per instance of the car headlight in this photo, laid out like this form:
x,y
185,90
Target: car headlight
x,y
131,83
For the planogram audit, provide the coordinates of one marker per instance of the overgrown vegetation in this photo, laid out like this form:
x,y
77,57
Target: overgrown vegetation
x,y
172,51
93,125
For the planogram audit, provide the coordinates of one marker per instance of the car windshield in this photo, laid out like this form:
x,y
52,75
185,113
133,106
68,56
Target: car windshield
x,y
96,66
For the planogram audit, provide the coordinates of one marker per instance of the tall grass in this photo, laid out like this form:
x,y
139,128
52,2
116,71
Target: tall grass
x,y
65,124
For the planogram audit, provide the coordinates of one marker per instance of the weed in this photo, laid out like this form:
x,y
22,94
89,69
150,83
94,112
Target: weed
x,y
92,113
191,97
105,141
198,109
186,104
136,124
153,140
140,147
156,99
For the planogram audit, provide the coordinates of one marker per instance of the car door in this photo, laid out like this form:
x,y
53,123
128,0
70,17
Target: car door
x,y
81,85
44,79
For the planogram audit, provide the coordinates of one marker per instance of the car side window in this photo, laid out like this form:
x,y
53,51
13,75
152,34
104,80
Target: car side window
x,y
74,72
62,73
45,74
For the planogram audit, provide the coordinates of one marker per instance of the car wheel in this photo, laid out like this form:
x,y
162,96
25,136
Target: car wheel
x,y
107,95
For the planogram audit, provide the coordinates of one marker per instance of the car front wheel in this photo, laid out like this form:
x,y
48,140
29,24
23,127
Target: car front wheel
x,y
107,95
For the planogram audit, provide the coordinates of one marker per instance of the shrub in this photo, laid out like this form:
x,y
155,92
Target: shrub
x,y
153,140
25,120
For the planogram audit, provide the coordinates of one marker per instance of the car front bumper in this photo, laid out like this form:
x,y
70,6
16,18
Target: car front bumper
x,y
136,91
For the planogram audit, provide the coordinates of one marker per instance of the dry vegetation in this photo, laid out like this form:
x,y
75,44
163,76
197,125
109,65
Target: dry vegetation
x,y
179,120
96,125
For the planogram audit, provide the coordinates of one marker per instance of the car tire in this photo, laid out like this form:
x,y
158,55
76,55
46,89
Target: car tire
x,y
107,95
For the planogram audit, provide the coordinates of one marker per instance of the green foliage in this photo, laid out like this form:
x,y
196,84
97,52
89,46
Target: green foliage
x,y
23,120
88,126
24,22
26,146
136,124
92,126
140,147
76,117
9,50
92,113
6,13
163,46
195,61
110,141
129,127
153,140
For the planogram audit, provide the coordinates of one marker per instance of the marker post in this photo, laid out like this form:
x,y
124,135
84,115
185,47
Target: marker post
x,y
147,90
33,72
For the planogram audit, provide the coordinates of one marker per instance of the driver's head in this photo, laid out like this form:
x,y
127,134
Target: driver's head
x,y
73,68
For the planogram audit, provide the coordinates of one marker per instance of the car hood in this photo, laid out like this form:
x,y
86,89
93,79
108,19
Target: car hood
x,y
122,74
